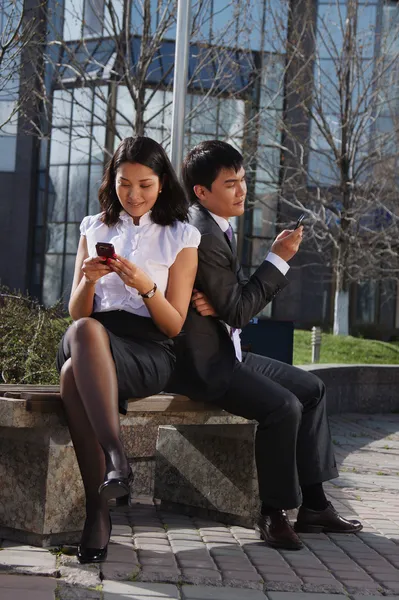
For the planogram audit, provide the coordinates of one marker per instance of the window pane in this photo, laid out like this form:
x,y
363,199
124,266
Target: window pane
x,y
77,195
330,29
96,173
98,143
203,115
52,278
272,85
155,109
93,17
100,104
82,106
80,145
126,113
72,237
269,132
57,194
231,117
62,108
73,13
322,169
8,117
59,149
8,147
366,26
55,238
68,276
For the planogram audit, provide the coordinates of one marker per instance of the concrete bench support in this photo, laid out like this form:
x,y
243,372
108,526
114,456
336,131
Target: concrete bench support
x,y
41,493
208,471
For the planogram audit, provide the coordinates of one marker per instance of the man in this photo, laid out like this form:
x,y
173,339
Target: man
x,y
293,448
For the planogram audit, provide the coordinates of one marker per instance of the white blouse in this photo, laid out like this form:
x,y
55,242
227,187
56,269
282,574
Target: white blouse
x,y
151,247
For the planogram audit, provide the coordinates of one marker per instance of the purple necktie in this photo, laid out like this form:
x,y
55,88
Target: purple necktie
x,y
229,232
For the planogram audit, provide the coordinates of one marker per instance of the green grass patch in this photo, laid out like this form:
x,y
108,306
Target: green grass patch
x,y
337,349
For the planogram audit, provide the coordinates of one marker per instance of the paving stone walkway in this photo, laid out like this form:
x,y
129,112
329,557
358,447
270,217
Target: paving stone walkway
x,y
158,555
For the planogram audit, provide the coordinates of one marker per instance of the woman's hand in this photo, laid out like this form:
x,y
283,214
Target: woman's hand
x,y
94,268
130,274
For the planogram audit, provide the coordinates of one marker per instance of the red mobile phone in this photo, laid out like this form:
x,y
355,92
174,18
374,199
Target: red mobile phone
x,y
105,249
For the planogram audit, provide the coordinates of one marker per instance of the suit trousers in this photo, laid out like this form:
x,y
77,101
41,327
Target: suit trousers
x,y
293,446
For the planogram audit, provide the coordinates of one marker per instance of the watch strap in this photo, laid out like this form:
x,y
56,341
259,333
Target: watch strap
x,y
151,293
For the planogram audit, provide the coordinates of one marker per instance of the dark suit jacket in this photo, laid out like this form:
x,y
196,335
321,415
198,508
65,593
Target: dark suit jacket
x,y
205,351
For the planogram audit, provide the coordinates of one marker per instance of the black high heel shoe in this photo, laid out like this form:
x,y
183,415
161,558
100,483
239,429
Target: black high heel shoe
x,y
94,555
115,485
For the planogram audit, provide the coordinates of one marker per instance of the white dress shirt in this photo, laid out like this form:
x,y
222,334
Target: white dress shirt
x,y
278,262
151,247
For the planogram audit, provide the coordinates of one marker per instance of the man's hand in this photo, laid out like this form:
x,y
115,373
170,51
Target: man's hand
x,y
202,305
287,243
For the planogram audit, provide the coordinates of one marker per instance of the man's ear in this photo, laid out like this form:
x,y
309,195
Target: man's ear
x,y
199,191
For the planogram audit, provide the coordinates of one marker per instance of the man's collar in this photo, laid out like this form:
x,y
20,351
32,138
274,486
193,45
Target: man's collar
x,y
221,221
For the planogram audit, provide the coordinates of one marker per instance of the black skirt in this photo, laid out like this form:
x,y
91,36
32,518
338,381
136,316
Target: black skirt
x,y
143,355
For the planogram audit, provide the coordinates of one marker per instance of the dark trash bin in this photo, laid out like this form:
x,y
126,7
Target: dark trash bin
x,y
271,338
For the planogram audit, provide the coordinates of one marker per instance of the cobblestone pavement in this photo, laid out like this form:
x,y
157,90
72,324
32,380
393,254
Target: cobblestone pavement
x,y
157,555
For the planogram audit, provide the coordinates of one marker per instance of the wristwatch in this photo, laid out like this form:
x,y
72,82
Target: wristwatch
x,y
151,293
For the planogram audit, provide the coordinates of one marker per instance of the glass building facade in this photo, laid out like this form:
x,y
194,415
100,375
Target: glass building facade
x,y
92,110
238,64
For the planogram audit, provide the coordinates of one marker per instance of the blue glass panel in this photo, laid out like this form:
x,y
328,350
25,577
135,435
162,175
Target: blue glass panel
x,y
56,207
55,238
366,27
223,23
276,20
201,20
72,237
62,108
8,148
69,268
96,173
322,169
73,15
330,29
52,278
77,193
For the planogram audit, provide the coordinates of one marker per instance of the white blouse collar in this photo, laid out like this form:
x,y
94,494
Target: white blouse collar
x,y
144,220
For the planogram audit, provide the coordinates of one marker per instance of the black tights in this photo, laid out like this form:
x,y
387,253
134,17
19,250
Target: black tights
x,y
89,393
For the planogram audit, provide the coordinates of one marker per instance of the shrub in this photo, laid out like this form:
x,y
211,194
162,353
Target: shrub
x,y
29,336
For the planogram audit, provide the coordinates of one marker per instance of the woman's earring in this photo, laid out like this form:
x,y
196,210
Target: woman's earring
x,y
160,192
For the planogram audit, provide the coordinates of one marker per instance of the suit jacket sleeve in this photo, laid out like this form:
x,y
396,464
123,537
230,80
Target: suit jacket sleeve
x,y
235,302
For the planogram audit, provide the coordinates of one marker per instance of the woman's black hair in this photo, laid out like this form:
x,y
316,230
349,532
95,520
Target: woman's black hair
x,y
172,205
204,162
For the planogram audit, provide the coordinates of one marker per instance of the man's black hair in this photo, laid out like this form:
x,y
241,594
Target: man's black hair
x,y
204,162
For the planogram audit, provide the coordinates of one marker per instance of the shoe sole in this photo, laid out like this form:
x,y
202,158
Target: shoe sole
x,y
113,489
322,529
92,562
280,545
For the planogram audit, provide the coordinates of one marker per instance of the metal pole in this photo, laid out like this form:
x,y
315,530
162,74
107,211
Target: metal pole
x,y
182,53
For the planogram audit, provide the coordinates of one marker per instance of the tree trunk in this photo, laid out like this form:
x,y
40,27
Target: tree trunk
x,y
341,312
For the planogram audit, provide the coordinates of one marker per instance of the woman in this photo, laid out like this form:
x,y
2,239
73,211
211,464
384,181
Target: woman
x,y
125,310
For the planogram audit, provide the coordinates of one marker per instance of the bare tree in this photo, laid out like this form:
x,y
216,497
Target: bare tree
x,y
127,46
18,31
341,85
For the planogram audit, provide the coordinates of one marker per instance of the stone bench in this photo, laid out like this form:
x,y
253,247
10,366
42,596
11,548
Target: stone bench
x,y
191,456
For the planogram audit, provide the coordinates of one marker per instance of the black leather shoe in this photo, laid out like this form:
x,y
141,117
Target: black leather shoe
x,y
277,532
115,485
324,521
94,555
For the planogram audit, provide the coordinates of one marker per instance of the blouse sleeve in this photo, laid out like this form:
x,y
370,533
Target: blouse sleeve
x,y
191,237
85,225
